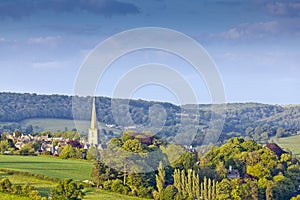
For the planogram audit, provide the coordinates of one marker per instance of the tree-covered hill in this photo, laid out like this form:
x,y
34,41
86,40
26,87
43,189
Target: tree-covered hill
x,y
252,120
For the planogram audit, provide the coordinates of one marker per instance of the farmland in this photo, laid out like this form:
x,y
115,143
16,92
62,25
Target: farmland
x,y
290,144
48,166
12,197
42,124
108,196
51,167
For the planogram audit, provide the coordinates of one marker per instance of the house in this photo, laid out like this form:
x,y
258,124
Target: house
x,y
109,125
143,138
18,145
233,173
276,149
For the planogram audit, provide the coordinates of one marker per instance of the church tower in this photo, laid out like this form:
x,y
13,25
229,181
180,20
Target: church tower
x,y
94,136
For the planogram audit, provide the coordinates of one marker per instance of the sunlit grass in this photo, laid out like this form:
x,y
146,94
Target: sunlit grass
x,y
12,197
43,186
291,143
96,195
48,166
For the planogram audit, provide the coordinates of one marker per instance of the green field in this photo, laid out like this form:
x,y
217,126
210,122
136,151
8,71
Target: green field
x,y
108,196
40,125
48,166
291,143
12,197
52,167
43,186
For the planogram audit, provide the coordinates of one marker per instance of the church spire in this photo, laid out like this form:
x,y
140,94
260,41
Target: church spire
x,y
94,124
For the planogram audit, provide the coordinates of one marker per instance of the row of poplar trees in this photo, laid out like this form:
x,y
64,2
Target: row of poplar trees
x,y
187,186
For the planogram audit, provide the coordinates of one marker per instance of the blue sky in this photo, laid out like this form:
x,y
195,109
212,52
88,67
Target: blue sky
x,y
255,44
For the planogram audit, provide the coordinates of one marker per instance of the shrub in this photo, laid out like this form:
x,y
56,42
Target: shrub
x,y
68,189
117,186
107,185
170,192
5,186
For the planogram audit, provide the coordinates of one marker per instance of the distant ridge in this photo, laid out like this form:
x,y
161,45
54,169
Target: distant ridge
x,y
253,120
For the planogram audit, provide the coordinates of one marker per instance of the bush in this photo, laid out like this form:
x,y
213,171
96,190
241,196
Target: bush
x,y
117,186
5,186
107,185
68,189
145,192
170,192
29,191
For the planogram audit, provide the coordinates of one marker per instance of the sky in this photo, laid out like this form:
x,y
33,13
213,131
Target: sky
x,y
254,44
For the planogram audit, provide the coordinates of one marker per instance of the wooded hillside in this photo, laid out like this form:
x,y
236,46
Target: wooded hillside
x,y
253,120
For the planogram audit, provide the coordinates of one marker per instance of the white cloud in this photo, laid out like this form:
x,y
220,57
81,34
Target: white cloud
x,y
261,30
2,39
251,31
52,40
49,65
290,9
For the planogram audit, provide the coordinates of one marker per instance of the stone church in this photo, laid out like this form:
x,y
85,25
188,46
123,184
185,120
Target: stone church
x,y
93,132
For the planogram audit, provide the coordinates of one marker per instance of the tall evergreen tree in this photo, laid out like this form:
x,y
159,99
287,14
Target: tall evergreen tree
x,y
209,189
189,185
160,180
99,173
196,189
177,181
202,190
183,184
269,192
213,194
205,188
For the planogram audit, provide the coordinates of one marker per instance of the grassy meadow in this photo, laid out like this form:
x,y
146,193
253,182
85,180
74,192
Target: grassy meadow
x,y
43,186
52,167
48,166
96,195
12,197
291,143
42,124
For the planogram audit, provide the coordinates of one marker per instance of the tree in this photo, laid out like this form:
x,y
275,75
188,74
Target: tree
x,y
186,161
183,184
189,185
196,186
117,186
5,185
92,153
68,189
280,132
249,189
269,192
115,142
221,171
205,192
296,198
170,193
177,181
4,146
127,135
133,146
224,189
160,180
283,189
258,171
27,149
70,152
101,173
17,133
